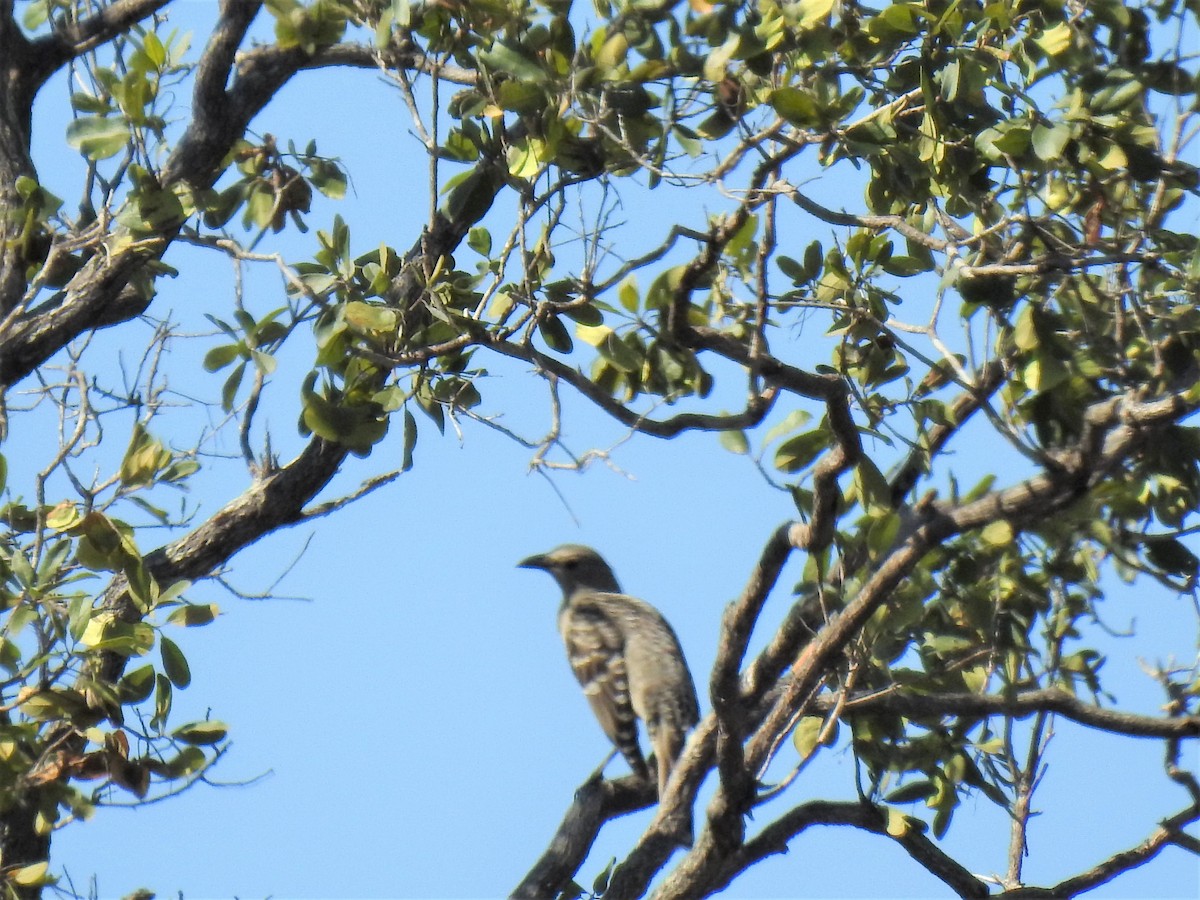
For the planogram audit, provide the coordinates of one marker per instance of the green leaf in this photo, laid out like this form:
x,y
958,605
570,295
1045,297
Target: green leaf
x,y
735,441
219,357
612,52
64,516
912,792
797,106
1010,139
1172,556
264,362
1025,335
410,440
365,317
793,420
98,137
479,239
154,49
976,679
471,197
526,157
122,638
1049,142
813,12
36,14
586,315
509,57
521,97
592,334
136,686
201,733
230,388
997,534
175,664
798,453
1054,41
162,701
52,561
32,875
22,570
806,735
628,297
189,761
872,487
193,614
328,178
620,354
555,334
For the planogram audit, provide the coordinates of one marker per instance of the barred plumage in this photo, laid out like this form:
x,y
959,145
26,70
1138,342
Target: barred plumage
x,y
626,657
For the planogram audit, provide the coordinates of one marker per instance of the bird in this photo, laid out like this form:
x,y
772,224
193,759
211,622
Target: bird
x,y
626,657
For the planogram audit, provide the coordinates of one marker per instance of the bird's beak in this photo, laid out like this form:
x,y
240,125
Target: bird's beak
x,y
539,561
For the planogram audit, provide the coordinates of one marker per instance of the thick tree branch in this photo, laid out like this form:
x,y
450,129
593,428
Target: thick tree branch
x,y
220,115
596,802
72,39
403,56
101,293
737,624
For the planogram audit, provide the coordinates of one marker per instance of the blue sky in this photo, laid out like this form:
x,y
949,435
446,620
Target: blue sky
x,y
409,725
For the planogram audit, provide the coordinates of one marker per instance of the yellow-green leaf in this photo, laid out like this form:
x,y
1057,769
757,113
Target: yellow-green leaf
x,y
735,442
592,334
897,823
997,534
813,12
65,515
526,157
976,679
807,734
366,317
31,875
1054,41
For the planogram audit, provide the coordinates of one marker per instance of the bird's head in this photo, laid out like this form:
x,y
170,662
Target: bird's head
x,y
575,567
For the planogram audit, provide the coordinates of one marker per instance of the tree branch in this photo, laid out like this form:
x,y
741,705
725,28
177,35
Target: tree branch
x,y
101,293
1169,832
597,801
404,56
756,409
737,624
1020,705
774,838
72,39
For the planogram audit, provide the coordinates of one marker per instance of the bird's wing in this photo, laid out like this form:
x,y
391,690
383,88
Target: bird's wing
x,y
661,689
596,651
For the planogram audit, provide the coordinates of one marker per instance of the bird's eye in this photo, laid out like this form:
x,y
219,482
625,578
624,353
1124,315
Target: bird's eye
x,y
571,564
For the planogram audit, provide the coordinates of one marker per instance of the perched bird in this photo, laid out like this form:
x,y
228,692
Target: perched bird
x,y
626,657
